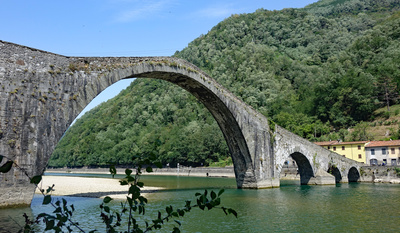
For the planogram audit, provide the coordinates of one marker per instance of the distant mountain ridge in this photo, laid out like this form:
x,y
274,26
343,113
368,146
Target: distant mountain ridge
x,y
314,71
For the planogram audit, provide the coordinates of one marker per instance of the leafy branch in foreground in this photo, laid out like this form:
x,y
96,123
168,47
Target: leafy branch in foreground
x,y
134,206
62,217
135,203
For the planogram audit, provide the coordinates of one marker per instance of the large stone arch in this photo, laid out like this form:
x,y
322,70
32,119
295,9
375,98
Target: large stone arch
x,y
42,93
209,93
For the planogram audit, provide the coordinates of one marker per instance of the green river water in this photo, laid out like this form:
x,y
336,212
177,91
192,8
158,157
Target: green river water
x,y
354,207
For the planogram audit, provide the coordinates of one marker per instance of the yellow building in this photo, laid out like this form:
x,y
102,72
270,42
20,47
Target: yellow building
x,y
351,150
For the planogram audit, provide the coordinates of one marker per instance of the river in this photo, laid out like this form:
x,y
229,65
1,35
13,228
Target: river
x,y
354,207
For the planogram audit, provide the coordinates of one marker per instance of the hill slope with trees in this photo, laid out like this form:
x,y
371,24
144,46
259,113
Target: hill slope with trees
x,y
315,71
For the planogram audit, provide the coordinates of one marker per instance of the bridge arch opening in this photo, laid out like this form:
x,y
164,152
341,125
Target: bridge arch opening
x,y
335,172
353,175
223,115
304,167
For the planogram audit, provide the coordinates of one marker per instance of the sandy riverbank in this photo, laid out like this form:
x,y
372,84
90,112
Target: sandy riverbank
x,y
182,171
88,187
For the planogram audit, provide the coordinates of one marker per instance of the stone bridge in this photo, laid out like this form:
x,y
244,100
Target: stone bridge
x,y
41,93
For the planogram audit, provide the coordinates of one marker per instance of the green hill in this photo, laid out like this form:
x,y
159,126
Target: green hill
x,y
315,71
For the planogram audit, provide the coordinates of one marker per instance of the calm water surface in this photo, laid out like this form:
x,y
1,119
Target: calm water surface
x,y
291,208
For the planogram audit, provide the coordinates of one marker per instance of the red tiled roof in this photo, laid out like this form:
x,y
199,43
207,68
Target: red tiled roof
x,y
383,143
330,143
352,143
325,143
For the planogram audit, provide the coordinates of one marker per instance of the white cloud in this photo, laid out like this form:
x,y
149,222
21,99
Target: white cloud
x,y
216,11
143,9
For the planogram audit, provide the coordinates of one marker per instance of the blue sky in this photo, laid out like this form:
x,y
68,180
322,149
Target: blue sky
x,y
119,27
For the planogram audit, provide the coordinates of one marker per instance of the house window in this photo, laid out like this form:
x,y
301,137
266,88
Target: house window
x,y
392,150
393,162
329,147
359,156
383,151
372,151
343,148
334,148
359,147
373,162
344,155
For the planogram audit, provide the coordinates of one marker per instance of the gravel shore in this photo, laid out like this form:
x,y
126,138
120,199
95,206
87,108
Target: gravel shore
x,y
88,187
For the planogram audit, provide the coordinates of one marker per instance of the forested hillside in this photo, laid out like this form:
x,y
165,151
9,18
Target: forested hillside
x,y
315,71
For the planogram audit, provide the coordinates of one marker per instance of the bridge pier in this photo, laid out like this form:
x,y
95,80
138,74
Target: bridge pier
x,y
17,196
322,178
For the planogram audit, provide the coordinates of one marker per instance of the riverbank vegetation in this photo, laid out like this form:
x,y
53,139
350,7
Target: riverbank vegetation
x,y
316,71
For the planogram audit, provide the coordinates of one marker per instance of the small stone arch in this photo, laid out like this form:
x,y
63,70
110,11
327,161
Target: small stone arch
x,y
353,175
305,169
335,172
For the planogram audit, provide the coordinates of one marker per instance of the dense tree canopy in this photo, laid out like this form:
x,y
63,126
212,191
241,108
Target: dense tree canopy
x,y
313,70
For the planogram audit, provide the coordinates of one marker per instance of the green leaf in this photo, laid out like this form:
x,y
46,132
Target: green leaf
x,y
107,209
6,167
232,211
49,225
140,184
128,172
49,189
113,170
123,182
149,169
36,179
107,199
130,178
217,201
168,209
135,190
181,212
221,192
46,199
213,195
64,202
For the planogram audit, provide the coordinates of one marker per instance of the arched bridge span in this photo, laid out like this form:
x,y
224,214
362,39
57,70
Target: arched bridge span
x,y
41,94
